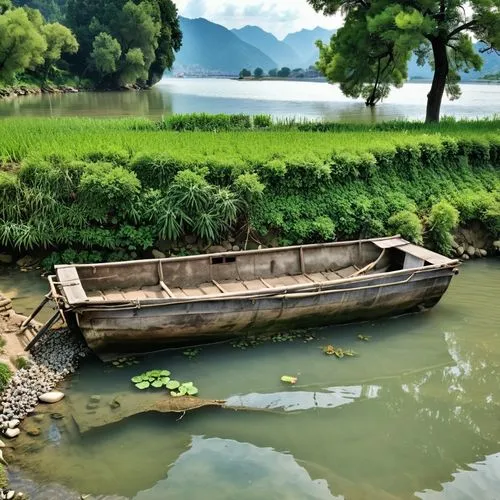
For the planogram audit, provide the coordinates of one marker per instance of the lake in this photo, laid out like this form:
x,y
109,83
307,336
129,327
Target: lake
x,y
414,415
311,100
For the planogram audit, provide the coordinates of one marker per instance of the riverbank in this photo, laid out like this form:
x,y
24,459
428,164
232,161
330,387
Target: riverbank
x,y
100,190
32,381
23,90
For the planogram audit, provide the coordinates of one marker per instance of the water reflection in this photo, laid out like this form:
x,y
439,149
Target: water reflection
x,y
310,100
479,482
302,400
215,468
418,404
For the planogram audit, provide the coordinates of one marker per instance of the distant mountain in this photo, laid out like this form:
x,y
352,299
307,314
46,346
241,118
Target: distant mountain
x,y
491,65
280,52
304,44
210,48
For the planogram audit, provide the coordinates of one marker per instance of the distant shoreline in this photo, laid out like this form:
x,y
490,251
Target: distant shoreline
x,y
313,80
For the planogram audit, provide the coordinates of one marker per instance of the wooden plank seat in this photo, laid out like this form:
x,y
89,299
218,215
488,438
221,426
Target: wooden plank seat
x,y
219,288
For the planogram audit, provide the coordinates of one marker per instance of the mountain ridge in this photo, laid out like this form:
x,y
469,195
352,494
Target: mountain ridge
x,y
277,50
212,48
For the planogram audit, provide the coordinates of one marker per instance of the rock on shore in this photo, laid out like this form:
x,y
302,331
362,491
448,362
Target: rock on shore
x,y
54,358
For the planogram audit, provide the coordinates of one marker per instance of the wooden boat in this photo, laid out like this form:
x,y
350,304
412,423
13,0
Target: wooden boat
x,y
138,306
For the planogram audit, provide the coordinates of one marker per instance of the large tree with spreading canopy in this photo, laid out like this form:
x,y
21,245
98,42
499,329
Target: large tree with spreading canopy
x,y
371,51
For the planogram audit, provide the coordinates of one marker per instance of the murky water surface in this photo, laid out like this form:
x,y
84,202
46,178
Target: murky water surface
x,y
415,415
311,100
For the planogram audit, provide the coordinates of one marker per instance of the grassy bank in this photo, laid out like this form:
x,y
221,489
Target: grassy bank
x,y
110,189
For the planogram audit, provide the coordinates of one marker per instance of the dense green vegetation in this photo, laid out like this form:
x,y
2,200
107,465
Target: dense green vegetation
x,y
29,43
383,35
112,43
110,189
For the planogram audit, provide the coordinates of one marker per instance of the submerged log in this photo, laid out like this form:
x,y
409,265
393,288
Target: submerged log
x,y
117,407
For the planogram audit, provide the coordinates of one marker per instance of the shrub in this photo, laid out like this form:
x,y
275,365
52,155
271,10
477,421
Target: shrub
x,y
442,220
106,189
323,228
249,187
262,121
240,122
5,375
408,225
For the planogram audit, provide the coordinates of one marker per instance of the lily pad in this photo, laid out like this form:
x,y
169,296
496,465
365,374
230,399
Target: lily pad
x,y
175,394
165,381
164,373
183,390
142,385
187,384
137,379
173,384
339,353
288,379
192,391
364,338
157,384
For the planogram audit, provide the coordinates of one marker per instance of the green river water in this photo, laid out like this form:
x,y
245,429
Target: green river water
x,y
415,415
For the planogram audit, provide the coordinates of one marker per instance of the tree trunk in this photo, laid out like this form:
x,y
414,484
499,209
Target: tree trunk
x,y
435,96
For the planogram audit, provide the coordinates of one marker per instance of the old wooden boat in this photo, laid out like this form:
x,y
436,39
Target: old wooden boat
x,y
139,306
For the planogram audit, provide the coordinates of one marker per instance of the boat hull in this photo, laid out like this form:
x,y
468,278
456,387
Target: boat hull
x,y
112,331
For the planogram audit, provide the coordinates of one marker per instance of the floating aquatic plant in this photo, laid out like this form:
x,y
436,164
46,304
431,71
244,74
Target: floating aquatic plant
x,y
185,389
247,342
289,379
160,378
123,362
191,353
152,378
364,338
329,350
338,352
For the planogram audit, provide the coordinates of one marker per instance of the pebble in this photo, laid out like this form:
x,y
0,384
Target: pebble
x,y
471,251
13,423
51,397
10,494
2,444
483,252
39,417
465,256
12,433
95,398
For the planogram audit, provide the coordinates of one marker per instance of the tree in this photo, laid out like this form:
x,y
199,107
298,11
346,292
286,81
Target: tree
x,y
51,10
258,73
59,39
21,44
169,41
245,73
437,31
105,54
150,26
284,72
273,73
369,76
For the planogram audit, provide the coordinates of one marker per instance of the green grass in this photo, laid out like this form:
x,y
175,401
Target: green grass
x,y
77,137
109,189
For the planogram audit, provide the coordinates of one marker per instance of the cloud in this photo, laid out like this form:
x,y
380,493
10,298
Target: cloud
x,y
277,16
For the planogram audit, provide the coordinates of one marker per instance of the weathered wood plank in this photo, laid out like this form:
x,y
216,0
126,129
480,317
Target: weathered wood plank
x,y
71,285
425,254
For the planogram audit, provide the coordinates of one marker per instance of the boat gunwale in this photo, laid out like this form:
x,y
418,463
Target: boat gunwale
x,y
303,291
226,254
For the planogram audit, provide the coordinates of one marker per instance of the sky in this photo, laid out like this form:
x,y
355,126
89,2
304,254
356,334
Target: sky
x,y
279,17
